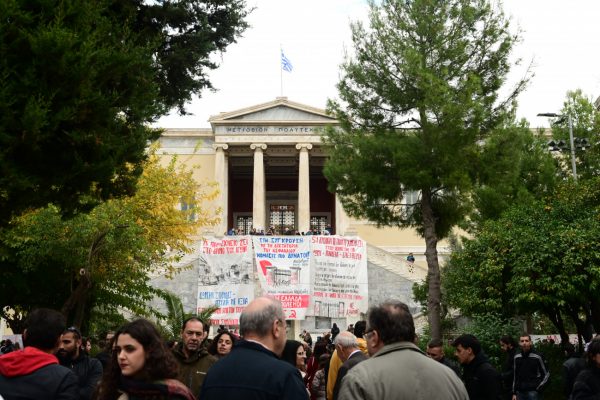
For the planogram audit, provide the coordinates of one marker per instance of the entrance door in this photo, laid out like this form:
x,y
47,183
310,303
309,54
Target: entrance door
x,y
282,218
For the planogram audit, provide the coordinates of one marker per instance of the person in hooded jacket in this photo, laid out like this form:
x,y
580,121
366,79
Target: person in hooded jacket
x,y
482,380
34,372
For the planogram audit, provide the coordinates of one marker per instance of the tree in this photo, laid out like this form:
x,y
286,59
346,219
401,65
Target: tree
x,y
420,94
103,260
586,125
81,80
542,256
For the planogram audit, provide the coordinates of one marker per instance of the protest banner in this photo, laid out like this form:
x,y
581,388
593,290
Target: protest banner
x,y
225,268
339,276
283,269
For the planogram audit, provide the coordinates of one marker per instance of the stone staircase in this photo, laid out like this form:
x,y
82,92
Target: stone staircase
x,y
396,264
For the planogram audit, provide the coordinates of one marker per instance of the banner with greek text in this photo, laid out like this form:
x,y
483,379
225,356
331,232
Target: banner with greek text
x,y
339,276
225,277
283,268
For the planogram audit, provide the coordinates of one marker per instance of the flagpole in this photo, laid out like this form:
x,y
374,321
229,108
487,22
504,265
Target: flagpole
x,y
280,71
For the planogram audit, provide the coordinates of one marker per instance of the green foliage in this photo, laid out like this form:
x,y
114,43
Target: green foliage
x,y
488,329
80,83
417,96
102,261
586,124
514,167
542,256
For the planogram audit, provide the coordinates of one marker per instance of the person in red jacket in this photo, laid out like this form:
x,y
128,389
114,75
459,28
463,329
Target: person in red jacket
x,y
34,372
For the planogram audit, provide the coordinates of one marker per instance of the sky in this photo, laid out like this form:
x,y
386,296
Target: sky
x,y
560,37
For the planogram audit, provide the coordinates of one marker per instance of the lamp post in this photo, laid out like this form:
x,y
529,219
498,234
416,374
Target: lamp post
x,y
571,140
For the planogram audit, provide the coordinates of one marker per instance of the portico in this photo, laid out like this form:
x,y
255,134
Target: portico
x,y
273,151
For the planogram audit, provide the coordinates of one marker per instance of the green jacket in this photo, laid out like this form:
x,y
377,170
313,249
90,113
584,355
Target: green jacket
x,y
192,370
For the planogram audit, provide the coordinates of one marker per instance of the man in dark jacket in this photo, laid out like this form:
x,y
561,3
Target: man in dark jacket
x,y
34,373
509,346
87,369
571,368
253,369
531,373
480,377
435,350
346,345
193,358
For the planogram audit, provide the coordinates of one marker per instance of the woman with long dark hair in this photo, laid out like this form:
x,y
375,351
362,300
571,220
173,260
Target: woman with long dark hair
x,y
222,344
141,367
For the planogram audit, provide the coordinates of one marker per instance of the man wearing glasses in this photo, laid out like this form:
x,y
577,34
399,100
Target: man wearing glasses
x,y
397,366
87,369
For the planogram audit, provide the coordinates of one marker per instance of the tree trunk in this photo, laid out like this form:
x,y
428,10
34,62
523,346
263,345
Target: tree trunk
x,y
556,318
78,297
433,268
595,314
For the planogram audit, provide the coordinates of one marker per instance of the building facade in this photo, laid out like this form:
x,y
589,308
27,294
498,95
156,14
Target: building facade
x,y
268,162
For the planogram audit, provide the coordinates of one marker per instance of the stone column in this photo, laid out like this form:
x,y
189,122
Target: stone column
x,y
259,215
222,178
304,188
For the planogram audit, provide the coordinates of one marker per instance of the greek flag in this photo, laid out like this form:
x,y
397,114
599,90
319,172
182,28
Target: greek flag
x,y
286,65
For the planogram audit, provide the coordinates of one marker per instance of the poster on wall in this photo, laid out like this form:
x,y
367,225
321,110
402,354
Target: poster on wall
x,y
283,269
339,276
225,268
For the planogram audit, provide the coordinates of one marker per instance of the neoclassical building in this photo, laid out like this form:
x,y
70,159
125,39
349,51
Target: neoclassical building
x,y
268,162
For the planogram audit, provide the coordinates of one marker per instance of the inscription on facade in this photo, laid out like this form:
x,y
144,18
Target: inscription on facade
x,y
272,130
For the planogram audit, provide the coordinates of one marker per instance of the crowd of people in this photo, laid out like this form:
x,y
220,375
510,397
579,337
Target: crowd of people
x,y
283,230
373,359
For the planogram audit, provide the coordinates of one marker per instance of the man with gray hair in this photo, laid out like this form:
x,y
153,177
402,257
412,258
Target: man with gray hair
x,y
397,368
346,345
253,369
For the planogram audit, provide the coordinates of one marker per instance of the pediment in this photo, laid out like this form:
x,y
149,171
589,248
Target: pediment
x,y
275,112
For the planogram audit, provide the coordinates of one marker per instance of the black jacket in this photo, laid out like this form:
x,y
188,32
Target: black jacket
x,y
587,385
571,368
481,379
33,374
531,373
507,369
89,372
251,372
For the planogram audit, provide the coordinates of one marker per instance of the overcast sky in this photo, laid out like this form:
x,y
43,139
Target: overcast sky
x,y
561,37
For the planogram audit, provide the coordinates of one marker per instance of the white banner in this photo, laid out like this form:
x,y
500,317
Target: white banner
x,y
283,268
339,276
225,278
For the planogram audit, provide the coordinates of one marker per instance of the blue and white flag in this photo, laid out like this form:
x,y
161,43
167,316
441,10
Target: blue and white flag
x,y
286,65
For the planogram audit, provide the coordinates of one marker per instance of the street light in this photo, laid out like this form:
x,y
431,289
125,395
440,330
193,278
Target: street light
x,y
554,115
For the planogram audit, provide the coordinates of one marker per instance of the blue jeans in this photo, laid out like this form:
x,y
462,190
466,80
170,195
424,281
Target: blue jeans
x,y
532,395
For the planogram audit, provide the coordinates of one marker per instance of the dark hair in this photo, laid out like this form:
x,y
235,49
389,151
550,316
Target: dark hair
x,y
593,349
76,332
468,341
159,363
509,340
43,328
213,348
359,328
525,334
393,322
435,343
204,324
569,348
290,350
